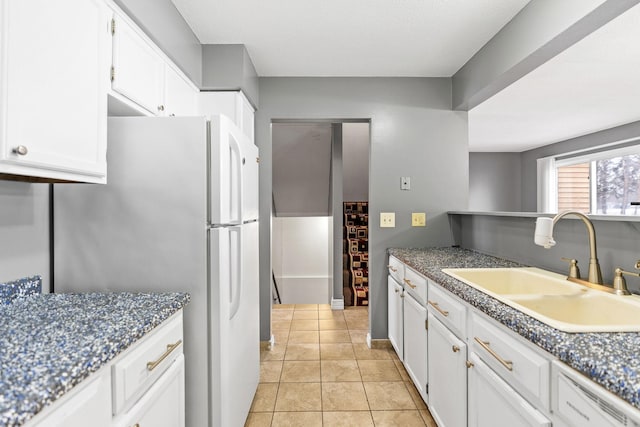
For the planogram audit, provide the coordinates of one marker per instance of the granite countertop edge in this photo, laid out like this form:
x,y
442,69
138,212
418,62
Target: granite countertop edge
x,y
52,342
607,358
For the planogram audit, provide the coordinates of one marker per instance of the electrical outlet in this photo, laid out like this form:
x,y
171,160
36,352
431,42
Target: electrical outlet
x,y
418,219
387,219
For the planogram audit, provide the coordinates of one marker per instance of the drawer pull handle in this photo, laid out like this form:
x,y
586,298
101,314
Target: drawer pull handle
x,y
455,348
408,282
470,364
485,344
435,305
170,347
392,269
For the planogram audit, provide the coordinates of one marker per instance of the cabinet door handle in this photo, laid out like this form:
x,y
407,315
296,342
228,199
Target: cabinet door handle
x,y
455,348
160,107
20,150
396,291
470,364
390,267
435,305
408,282
485,344
170,347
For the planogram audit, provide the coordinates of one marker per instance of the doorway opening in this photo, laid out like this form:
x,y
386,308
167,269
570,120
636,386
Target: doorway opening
x,y
320,168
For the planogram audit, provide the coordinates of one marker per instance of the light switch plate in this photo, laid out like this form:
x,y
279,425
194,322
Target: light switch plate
x,y
418,219
405,183
387,219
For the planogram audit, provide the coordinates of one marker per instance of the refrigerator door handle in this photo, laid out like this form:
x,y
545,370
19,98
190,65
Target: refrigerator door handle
x,y
236,270
234,145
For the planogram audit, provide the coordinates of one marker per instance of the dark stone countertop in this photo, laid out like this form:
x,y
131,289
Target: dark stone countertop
x,y
610,359
49,343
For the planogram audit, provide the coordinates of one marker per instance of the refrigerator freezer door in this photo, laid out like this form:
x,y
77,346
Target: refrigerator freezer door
x,y
234,174
235,324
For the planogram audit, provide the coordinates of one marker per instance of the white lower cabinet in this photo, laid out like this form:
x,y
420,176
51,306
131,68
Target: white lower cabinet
x,y
144,387
89,405
493,403
415,346
447,376
395,296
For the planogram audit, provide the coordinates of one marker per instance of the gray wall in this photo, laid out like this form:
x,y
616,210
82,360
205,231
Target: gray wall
x,y
529,165
24,231
229,67
494,182
301,169
162,22
618,243
355,161
414,133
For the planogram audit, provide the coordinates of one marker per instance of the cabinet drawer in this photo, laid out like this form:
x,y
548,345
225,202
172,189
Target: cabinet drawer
x,y
136,372
163,404
396,269
520,366
448,309
416,285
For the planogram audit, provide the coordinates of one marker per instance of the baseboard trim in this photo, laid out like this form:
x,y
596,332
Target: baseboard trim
x,y
337,304
369,339
268,344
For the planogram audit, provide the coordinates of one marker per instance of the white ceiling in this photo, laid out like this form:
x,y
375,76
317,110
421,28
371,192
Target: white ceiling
x,y
593,85
590,87
418,38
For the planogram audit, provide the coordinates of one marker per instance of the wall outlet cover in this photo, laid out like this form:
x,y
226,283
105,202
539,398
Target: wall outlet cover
x,y
387,219
418,219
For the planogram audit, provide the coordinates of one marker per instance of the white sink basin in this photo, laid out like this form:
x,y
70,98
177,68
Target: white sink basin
x,y
553,300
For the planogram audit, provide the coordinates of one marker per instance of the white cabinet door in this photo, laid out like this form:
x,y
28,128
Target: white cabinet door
x,y
163,404
179,96
395,295
232,104
493,403
89,405
138,70
447,376
53,88
415,344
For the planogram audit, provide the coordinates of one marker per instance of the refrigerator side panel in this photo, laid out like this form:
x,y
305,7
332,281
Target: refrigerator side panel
x,y
145,230
250,180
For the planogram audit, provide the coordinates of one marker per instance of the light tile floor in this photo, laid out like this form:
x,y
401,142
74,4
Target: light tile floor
x,y
320,372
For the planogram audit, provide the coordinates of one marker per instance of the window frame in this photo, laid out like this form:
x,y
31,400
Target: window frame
x,y
547,171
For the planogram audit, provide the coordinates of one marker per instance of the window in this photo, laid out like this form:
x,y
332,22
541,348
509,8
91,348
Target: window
x,y
602,182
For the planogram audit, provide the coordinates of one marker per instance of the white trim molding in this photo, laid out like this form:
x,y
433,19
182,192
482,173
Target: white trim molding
x,y
337,304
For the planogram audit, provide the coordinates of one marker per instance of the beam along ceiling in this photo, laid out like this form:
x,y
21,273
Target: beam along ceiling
x,y
412,38
592,86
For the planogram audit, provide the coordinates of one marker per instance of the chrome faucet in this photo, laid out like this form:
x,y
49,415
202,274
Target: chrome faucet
x,y
544,237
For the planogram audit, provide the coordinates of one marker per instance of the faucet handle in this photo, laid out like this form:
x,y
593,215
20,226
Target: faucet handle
x,y
574,271
619,283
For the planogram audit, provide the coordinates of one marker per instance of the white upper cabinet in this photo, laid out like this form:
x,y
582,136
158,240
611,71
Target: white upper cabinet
x,y
54,75
232,104
138,70
143,78
179,96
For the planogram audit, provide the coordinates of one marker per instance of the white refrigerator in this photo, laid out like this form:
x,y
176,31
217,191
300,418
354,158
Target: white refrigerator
x,y
179,212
